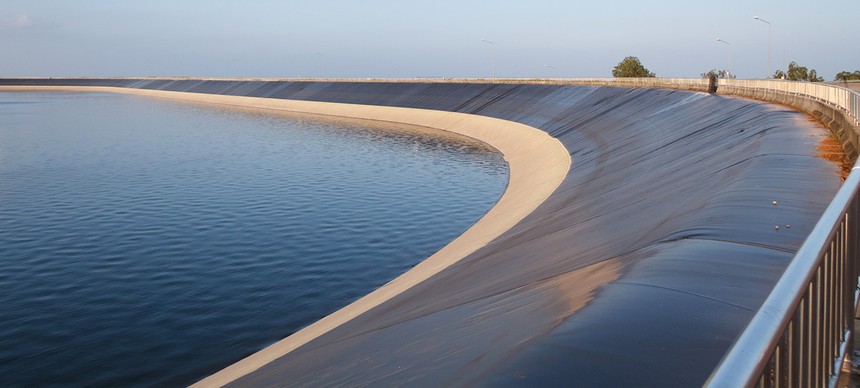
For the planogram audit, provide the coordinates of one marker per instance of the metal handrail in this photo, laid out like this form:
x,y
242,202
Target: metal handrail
x,y
751,354
801,333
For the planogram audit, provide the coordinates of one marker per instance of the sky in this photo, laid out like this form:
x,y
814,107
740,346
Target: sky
x,y
439,38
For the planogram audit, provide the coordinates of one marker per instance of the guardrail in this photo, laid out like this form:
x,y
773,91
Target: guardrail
x,y
802,332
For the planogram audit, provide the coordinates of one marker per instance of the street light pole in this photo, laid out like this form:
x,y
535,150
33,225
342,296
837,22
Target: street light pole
x,y
494,56
769,43
729,69
322,62
549,67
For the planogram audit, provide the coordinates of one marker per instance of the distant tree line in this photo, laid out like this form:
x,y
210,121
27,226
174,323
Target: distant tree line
x,y
798,73
847,76
631,67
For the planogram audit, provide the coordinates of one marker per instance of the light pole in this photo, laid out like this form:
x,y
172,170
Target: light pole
x,y
729,69
322,62
494,56
769,40
549,67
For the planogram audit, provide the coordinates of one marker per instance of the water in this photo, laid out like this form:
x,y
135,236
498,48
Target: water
x,y
150,242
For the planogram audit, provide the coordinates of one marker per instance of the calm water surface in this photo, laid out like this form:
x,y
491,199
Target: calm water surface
x,y
148,242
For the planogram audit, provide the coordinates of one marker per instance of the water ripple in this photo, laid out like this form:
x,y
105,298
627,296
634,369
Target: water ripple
x,y
148,242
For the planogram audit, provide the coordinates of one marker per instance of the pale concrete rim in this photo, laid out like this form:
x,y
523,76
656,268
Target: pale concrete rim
x,y
537,163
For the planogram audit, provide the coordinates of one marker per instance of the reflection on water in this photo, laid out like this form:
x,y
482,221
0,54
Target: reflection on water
x,y
150,242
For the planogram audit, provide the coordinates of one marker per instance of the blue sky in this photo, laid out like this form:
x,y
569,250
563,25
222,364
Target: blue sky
x,y
440,38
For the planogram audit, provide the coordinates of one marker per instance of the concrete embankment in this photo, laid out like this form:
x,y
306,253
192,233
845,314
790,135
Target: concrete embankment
x,y
639,269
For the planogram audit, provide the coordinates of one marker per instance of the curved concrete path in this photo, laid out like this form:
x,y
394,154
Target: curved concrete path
x,y
640,269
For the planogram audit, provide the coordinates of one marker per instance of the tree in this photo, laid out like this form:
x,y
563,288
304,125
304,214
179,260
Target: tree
x,y
798,73
847,76
718,74
631,67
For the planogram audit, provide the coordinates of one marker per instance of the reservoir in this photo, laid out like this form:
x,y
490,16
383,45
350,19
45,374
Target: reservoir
x,y
151,242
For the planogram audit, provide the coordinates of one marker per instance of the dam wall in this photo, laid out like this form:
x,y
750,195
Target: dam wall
x,y
678,214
